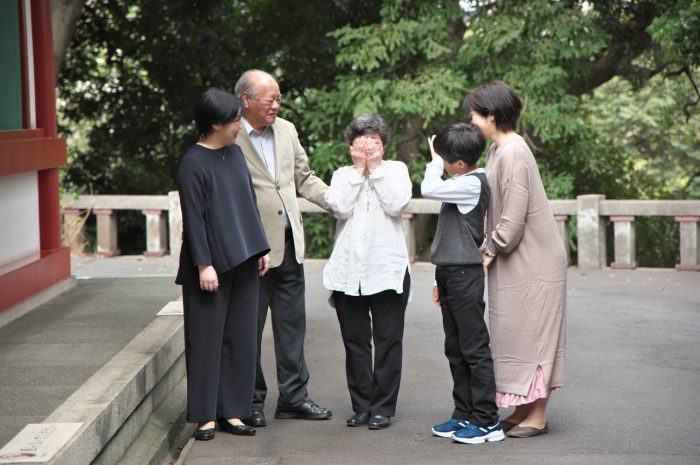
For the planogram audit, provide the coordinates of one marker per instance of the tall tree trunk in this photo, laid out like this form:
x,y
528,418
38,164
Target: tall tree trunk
x,y
64,18
412,132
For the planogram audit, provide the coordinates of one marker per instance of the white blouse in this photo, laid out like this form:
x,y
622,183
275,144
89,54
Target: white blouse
x,y
369,254
462,189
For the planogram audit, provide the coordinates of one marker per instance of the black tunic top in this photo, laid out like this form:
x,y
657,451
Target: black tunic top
x,y
220,219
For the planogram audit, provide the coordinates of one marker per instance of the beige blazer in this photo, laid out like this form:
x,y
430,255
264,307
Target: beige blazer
x,y
275,196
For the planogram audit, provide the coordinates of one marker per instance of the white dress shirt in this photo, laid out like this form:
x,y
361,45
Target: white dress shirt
x,y
370,254
462,190
264,144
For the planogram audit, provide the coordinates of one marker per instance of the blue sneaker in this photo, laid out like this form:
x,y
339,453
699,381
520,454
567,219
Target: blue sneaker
x,y
445,430
472,434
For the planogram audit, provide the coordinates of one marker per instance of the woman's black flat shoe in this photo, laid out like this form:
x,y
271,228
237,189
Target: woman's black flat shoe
x,y
507,426
204,434
238,430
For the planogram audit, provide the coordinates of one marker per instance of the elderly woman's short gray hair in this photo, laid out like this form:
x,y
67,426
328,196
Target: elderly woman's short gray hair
x,y
365,124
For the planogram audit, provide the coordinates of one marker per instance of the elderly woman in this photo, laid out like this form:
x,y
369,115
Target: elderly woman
x,y
368,271
526,263
223,252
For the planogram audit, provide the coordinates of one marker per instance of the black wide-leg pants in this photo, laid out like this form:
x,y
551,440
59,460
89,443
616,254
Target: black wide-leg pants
x,y
220,345
374,390
461,294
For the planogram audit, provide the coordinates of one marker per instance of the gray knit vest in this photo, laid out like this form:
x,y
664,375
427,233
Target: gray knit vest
x,y
458,236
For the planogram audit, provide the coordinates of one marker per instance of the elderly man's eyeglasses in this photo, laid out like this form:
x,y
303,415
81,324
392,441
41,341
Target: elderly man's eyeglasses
x,y
270,100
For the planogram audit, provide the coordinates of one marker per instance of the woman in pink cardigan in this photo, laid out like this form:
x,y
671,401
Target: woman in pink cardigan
x,y
526,263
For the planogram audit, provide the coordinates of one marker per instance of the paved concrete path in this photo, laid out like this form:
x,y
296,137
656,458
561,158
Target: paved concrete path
x,y
51,351
632,393
632,365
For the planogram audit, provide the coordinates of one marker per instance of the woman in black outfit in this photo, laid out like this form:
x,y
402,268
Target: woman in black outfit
x,y
223,252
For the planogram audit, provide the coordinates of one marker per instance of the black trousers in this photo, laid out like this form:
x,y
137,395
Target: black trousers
x,y
461,293
220,345
374,390
282,290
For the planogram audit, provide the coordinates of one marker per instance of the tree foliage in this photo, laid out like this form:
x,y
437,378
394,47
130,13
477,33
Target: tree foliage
x,y
135,68
608,86
416,65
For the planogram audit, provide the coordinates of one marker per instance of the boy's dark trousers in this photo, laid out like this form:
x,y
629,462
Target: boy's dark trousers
x,y
461,294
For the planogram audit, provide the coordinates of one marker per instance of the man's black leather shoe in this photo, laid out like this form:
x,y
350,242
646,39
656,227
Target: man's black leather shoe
x,y
204,434
379,422
256,418
358,419
306,411
238,430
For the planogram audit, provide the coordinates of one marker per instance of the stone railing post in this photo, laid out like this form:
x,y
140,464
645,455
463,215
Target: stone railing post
x,y
72,224
690,253
175,223
106,233
625,243
410,230
591,232
563,233
156,233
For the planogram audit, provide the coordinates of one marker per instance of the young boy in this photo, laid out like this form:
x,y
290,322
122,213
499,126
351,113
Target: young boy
x,y
459,281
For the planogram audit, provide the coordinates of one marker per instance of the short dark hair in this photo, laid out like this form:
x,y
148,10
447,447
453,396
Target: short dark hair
x,y
498,99
215,106
366,123
460,141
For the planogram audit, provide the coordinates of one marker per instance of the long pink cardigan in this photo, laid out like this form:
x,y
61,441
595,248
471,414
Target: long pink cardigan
x,y
527,280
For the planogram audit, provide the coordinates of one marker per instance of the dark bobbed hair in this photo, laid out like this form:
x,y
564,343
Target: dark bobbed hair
x,y
215,106
460,141
364,124
498,99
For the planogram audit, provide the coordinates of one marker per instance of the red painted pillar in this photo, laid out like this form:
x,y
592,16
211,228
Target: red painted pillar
x,y
49,207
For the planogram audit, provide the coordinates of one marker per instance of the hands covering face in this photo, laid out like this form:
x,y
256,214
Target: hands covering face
x,y
366,153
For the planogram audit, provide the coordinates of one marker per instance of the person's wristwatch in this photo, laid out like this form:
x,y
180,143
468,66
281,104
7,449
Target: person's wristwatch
x,y
488,252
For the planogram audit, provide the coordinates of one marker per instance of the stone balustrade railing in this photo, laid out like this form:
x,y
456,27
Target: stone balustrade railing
x,y
591,211
105,208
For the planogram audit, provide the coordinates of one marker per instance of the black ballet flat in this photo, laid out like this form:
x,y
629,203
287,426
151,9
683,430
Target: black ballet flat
x,y
204,434
238,430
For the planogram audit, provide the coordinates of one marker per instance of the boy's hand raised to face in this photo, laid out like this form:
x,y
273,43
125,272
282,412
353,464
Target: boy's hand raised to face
x,y
433,154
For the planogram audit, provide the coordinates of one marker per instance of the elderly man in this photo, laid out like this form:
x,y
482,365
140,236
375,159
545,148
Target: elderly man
x,y
280,171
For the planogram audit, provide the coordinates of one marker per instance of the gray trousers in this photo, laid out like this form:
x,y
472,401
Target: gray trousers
x,y
282,290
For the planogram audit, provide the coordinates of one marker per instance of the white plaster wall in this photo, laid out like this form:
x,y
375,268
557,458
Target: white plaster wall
x,y
19,216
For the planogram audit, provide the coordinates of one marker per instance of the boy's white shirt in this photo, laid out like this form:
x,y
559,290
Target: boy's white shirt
x,y
461,189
